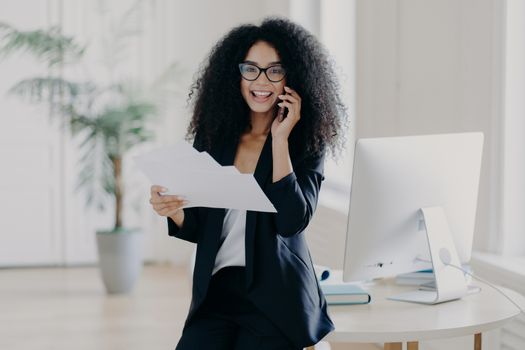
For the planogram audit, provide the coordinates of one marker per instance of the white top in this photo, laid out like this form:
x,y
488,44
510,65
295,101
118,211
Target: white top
x,y
232,249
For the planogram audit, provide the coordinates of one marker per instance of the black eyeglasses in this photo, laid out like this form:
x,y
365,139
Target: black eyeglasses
x,y
251,72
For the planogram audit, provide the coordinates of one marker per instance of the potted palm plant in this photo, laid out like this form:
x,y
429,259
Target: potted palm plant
x,y
111,119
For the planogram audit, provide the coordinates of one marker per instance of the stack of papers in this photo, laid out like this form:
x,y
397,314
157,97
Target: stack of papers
x,y
201,180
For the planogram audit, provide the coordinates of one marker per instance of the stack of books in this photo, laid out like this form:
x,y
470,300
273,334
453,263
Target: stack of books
x,y
338,292
426,277
415,278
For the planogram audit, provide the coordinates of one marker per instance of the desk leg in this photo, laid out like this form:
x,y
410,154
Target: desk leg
x,y
393,346
412,345
477,341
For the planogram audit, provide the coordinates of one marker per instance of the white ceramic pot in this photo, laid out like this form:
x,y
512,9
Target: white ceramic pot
x,y
120,258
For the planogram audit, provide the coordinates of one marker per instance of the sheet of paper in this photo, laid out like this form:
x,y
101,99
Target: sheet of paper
x,y
179,149
203,181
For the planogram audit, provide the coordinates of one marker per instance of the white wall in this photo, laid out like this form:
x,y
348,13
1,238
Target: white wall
x,y
29,158
512,241
426,67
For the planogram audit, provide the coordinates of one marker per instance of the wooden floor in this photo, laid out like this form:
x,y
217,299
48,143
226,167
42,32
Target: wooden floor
x,y
68,308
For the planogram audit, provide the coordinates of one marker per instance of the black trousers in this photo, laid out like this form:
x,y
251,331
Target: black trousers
x,y
227,320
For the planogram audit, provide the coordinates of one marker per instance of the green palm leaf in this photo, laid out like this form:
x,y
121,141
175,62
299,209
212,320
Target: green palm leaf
x,y
50,89
49,45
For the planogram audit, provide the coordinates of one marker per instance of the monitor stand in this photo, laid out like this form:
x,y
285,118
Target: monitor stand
x,y
450,281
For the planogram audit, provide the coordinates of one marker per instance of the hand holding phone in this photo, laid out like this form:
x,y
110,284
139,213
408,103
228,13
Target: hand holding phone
x,y
290,109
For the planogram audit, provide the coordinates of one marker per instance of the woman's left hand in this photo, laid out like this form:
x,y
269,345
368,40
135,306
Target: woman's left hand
x,y
292,102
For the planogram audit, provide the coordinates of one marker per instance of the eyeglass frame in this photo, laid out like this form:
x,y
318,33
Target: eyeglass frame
x,y
261,70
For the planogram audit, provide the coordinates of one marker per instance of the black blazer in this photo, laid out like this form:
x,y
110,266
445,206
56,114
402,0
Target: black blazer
x,y
280,276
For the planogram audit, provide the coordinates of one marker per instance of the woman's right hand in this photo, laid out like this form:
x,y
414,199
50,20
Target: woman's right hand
x,y
166,205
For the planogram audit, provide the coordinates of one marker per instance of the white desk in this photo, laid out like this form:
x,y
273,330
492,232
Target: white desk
x,y
395,322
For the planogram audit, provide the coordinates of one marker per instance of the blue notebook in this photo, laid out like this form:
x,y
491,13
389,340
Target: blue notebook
x,y
344,293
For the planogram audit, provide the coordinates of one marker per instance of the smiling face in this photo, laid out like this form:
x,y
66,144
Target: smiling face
x,y
261,94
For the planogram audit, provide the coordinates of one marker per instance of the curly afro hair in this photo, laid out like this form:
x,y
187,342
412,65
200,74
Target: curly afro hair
x,y
220,111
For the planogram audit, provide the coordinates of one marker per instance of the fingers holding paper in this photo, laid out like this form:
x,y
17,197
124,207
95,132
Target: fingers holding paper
x,y
165,205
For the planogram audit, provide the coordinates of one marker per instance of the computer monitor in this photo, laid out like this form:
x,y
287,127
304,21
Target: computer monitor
x,y
409,194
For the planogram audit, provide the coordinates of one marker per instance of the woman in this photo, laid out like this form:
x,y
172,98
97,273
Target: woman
x,y
254,286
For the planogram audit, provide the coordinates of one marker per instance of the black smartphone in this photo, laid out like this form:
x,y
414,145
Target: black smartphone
x,y
282,113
